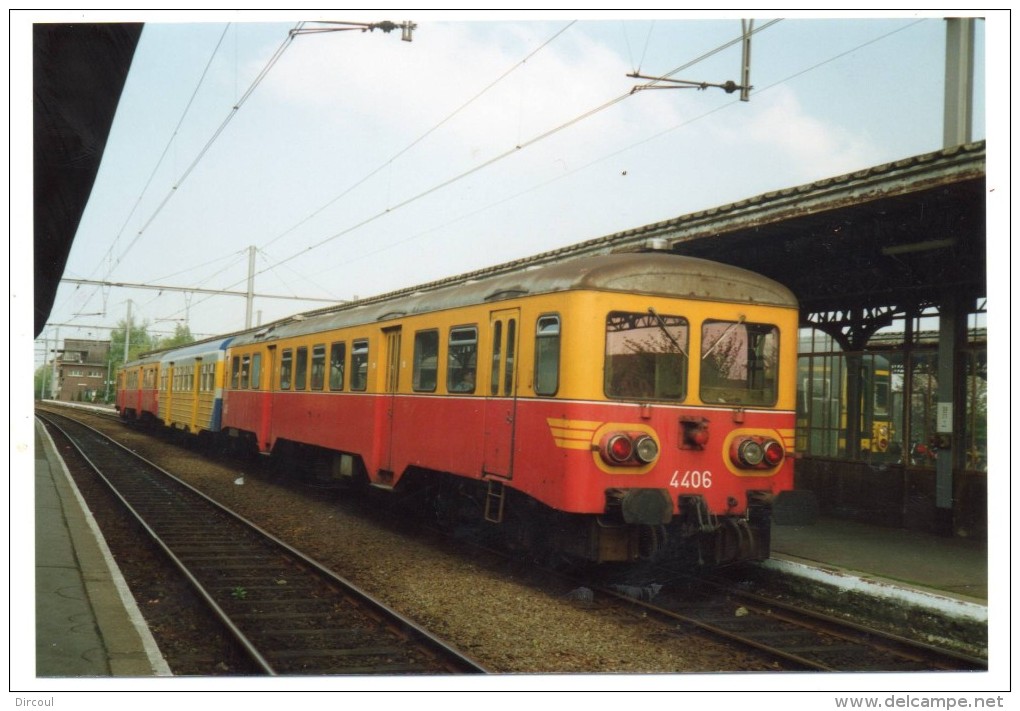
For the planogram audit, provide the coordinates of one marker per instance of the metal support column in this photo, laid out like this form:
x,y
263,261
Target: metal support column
x,y
958,114
950,412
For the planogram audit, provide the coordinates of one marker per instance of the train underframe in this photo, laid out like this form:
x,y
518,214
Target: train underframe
x,y
636,525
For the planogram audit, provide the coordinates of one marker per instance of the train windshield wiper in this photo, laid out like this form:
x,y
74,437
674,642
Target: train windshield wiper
x,y
662,327
724,334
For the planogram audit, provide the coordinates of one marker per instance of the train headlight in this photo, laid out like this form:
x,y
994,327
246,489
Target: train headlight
x,y
757,452
773,452
646,449
628,449
618,449
750,453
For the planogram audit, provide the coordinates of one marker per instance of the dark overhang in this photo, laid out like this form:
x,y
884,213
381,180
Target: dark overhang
x,y
78,73
901,234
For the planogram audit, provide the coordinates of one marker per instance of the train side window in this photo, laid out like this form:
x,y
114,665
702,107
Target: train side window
x,y
508,369
301,368
739,363
462,360
256,371
359,365
337,358
286,360
497,351
245,370
318,366
426,361
235,370
646,355
547,355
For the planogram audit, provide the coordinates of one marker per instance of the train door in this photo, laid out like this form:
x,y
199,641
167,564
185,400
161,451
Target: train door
x,y
390,387
265,434
196,395
167,414
501,393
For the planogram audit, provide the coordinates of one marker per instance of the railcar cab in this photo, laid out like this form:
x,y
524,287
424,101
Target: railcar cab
x,y
624,400
674,409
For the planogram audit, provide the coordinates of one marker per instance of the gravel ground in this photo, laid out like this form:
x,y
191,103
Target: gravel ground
x,y
507,617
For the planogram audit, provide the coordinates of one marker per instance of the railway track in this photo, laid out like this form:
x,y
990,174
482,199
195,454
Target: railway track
x,y
799,639
290,615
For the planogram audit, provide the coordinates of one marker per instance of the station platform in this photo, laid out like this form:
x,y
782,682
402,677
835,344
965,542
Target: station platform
x,y
956,568
87,624
935,587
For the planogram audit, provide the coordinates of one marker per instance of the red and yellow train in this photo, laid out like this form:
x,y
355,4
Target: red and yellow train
x,y
611,407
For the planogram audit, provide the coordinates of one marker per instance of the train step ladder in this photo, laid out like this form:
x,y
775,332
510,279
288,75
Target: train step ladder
x,y
495,498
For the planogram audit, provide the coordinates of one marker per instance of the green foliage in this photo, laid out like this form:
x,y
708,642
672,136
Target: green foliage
x,y
140,342
182,336
43,379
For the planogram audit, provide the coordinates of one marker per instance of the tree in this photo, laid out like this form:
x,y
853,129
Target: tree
x,y
182,336
140,342
43,379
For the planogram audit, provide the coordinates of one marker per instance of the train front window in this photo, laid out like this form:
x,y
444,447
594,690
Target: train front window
x,y
739,363
646,355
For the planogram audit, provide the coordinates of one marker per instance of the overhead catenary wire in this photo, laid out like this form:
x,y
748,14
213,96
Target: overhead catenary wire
x,y
273,60
166,149
499,157
404,150
423,136
574,121
216,134
491,161
625,149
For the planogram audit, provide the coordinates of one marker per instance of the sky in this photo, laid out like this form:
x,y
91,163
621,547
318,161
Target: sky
x,y
361,163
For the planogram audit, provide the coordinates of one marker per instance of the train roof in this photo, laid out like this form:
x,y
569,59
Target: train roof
x,y
189,350
192,350
653,273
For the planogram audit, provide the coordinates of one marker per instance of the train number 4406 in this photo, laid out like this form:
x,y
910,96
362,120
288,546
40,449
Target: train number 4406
x,y
691,479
